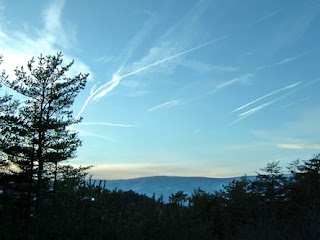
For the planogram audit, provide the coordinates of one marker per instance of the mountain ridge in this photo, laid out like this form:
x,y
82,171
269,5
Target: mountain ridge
x,y
166,185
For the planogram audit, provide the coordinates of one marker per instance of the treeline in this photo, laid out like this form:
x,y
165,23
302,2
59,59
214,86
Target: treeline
x,y
273,206
41,198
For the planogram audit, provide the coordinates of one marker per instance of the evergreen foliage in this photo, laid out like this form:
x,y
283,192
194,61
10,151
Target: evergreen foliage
x,y
35,133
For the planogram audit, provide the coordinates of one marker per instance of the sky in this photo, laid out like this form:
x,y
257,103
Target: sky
x,y
211,88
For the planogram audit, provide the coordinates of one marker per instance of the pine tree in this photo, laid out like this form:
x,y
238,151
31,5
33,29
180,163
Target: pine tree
x,y
43,137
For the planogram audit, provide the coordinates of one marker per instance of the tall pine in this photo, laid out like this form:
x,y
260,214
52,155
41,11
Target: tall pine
x,y
43,137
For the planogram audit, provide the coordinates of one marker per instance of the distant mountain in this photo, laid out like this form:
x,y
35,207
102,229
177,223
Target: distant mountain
x,y
165,186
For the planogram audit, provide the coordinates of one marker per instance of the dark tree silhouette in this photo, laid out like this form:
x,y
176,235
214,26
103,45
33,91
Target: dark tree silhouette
x,y
44,139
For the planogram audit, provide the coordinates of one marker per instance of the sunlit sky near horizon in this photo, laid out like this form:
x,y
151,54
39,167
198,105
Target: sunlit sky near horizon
x,y
185,88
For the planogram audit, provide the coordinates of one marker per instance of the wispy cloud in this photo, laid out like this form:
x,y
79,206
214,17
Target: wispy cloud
x,y
139,93
196,131
101,91
53,31
283,61
116,79
104,59
242,79
19,46
106,124
166,49
269,15
289,59
299,146
246,114
296,102
166,59
256,109
91,134
169,104
130,170
267,95
312,82
203,67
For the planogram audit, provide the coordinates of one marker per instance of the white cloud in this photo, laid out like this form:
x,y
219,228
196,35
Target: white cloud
x,y
140,93
296,102
242,79
246,114
205,67
299,146
129,170
168,104
86,133
196,131
267,95
105,124
116,78
267,16
290,59
19,46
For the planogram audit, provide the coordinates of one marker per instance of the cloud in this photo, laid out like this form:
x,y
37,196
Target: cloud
x,y
116,78
312,82
171,57
106,124
86,133
256,109
19,46
284,61
130,170
296,102
246,114
167,50
243,80
196,131
269,15
104,59
100,91
204,67
53,32
140,93
169,104
299,146
267,95
290,59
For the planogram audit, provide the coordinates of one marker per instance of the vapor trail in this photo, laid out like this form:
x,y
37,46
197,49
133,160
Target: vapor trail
x,y
106,124
256,109
267,95
171,57
250,112
116,79
267,16
167,104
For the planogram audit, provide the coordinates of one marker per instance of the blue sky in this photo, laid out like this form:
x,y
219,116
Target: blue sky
x,y
185,88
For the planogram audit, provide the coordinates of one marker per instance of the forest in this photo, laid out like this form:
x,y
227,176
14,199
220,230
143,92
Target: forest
x,y
42,197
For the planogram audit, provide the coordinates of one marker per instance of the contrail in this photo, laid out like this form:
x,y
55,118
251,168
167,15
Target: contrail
x,y
267,95
267,16
167,104
116,78
248,113
256,109
106,124
171,57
